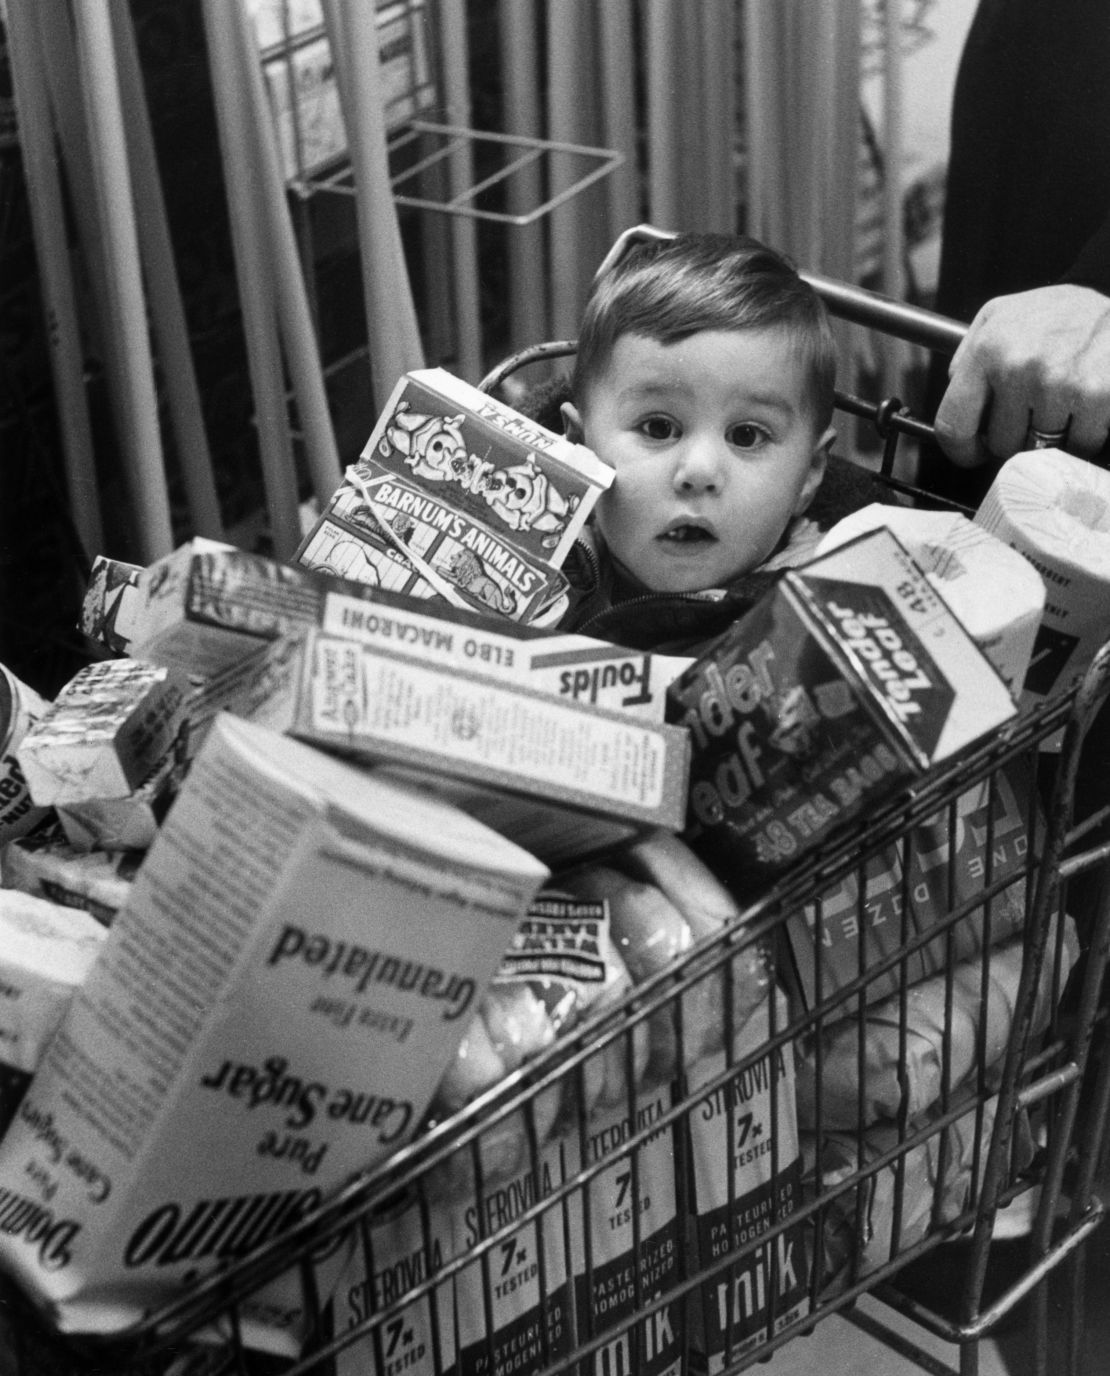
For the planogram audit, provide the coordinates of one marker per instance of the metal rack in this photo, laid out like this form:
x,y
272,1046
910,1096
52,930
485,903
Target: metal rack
x,y
845,1205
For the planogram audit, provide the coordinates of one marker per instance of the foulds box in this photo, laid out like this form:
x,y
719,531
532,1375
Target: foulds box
x,y
850,677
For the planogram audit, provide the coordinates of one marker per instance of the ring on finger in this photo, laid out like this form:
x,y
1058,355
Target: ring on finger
x,y
1047,439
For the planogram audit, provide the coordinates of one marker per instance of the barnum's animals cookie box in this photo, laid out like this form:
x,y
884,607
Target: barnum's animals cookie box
x,y
458,496
849,678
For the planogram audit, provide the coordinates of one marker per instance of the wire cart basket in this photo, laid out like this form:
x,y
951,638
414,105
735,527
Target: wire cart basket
x,y
815,1133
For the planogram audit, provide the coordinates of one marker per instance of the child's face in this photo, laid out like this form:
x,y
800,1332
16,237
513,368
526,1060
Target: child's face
x,y
714,448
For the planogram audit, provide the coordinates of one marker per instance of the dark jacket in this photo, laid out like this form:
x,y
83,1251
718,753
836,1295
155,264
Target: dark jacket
x,y
1027,199
605,606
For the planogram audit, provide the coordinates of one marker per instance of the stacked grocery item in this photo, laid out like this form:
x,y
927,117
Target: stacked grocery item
x,y
460,498
295,804
851,678
359,859
268,1015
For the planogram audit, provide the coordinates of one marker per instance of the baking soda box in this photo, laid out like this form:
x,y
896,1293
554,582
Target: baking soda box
x,y
848,679
269,1015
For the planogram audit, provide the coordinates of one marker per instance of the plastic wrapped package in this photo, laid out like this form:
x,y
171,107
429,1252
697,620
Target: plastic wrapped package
x,y
668,862
661,902
925,1187
561,966
911,1077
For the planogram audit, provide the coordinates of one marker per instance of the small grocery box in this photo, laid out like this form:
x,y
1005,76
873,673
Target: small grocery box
x,y
852,677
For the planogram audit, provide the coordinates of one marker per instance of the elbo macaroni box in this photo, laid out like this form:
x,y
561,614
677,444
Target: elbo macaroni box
x,y
851,676
562,778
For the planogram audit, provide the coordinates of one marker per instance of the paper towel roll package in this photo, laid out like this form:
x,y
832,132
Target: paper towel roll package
x,y
1055,509
994,590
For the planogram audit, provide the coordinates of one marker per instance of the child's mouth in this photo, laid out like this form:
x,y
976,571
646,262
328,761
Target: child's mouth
x,y
688,535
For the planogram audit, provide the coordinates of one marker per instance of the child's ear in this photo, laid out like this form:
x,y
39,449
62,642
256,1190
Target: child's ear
x,y
818,463
572,423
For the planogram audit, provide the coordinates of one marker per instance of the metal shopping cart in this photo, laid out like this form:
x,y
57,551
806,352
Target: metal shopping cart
x,y
700,1220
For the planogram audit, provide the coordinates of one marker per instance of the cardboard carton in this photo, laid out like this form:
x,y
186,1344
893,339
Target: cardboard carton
x,y
846,936
592,671
111,604
108,728
209,608
208,605
480,502
747,1177
269,1015
46,865
46,952
458,557
625,1220
525,1277
129,823
521,477
962,871
20,708
400,1255
847,680
559,776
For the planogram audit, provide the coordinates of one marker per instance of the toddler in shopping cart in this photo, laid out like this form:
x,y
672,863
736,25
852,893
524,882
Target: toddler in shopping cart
x,y
704,375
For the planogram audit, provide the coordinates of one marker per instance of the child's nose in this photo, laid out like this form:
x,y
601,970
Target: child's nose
x,y
700,466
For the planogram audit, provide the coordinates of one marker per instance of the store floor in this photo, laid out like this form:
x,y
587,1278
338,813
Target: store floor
x,y
839,1345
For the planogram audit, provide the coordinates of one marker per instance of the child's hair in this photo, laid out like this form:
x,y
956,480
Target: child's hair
x,y
667,290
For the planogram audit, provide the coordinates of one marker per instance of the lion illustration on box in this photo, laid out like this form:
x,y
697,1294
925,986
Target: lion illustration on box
x,y
467,571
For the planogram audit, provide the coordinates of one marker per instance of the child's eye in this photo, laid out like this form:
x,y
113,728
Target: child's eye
x,y
659,428
746,436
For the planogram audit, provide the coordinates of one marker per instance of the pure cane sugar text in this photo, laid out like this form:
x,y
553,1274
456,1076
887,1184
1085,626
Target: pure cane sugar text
x,y
230,1059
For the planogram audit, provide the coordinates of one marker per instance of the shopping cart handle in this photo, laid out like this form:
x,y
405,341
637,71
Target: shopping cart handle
x,y
863,307
857,304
